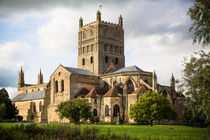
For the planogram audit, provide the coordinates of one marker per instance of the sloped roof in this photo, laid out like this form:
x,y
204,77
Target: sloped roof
x,y
126,69
112,93
82,93
140,90
79,71
29,96
92,94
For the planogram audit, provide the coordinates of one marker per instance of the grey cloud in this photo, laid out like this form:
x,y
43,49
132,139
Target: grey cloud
x,y
8,78
156,17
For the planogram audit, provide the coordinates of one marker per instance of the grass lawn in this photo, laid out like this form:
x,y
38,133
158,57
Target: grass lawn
x,y
168,132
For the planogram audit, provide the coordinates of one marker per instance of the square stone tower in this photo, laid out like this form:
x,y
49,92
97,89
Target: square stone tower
x,y
100,43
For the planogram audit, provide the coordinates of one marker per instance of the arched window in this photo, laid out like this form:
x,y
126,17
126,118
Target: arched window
x,y
130,87
83,50
105,47
62,85
40,106
116,110
116,48
116,60
94,112
87,49
91,59
83,61
56,86
106,59
34,107
106,110
111,48
92,48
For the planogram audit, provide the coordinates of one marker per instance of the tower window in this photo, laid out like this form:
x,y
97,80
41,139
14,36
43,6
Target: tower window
x,y
106,59
105,47
116,49
83,61
116,60
87,49
111,48
83,50
91,59
92,48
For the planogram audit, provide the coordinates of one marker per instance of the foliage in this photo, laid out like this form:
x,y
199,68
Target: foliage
x,y
67,131
19,118
2,111
33,132
193,120
200,15
11,110
151,106
74,109
196,79
31,116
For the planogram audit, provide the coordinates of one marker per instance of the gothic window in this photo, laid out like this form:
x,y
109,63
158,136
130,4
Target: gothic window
x,y
164,93
87,49
116,49
105,47
91,59
40,106
83,50
95,101
116,110
106,59
33,107
116,60
130,87
83,61
56,86
59,73
62,85
111,48
95,112
106,110
92,48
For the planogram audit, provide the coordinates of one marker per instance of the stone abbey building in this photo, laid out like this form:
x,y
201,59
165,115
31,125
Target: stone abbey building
x,y
101,77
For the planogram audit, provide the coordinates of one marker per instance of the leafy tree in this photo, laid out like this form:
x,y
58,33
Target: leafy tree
x,y
200,15
74,109
2,111
196,80
151,106
11,110
193,120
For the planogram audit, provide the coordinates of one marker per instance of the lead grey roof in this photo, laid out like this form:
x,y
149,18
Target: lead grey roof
x,y
29,96
126,69
79,71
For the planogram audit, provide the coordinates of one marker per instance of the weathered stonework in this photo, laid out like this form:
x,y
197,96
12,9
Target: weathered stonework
x,y
101,77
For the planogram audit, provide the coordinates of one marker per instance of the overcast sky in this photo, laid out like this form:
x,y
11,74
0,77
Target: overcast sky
x,y
43,34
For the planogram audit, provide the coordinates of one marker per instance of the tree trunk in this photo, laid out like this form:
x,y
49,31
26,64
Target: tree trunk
x,y
151,123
